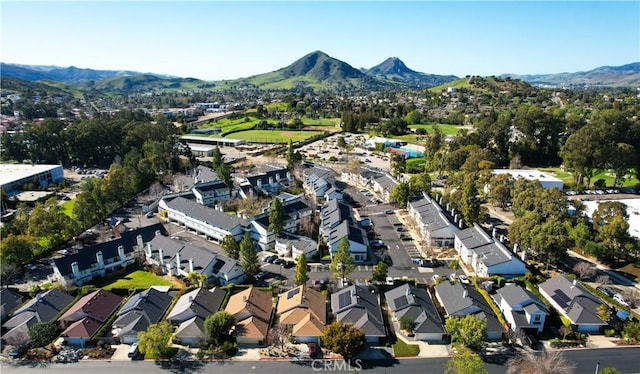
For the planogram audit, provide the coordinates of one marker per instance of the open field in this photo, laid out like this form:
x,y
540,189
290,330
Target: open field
x,y
228,125
67,207
138,279
607,175
445,128
273,136
326,122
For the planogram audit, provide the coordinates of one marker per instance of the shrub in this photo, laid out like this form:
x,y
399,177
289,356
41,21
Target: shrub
x,y
455,264
609,332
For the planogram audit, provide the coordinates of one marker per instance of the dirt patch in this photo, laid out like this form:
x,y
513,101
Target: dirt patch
x,y
630,269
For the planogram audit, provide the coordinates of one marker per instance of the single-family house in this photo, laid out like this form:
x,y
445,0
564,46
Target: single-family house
x,y
305,311
191,310
521,308
97,261
486,255
44,307
459,300
85,318
415,303
179,258
574,302
141,310
9,300
433,223
358,306
210,222
252,309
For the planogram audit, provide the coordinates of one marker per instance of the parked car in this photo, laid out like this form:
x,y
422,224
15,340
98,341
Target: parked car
x,y
377,243
133,351
389,281
18,351
463,279
530,341
280,261
608,291
387,260
388,211
425,263
400,229
620,299
272,259
289,264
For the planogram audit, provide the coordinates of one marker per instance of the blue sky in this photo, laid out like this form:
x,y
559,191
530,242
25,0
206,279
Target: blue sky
x,y
226,40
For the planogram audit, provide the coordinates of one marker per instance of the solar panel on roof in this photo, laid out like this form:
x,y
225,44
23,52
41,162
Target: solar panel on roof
x,y
563,296
344,300
400,301
293,292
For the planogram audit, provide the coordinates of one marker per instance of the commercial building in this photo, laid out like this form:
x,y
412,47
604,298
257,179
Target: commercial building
x,y
14,176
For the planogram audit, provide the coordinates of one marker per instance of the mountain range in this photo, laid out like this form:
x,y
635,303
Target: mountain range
x,y
316,70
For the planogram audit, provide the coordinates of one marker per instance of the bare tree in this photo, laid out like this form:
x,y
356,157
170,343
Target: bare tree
x,y
585,270
632,297
512,336
565,331
603,280
279,335
548,362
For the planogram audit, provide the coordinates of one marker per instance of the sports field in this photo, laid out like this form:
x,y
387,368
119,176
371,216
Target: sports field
x,y
273,136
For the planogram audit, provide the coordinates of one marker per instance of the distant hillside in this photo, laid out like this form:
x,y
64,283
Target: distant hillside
x,y
20,85
625,75
395,70
70,75
486,85
141,83
317,70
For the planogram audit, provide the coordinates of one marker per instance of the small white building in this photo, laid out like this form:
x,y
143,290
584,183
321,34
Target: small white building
x,y
521,308
546,180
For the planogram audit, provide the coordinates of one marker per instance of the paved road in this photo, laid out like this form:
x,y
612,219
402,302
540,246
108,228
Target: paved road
x,y
585,360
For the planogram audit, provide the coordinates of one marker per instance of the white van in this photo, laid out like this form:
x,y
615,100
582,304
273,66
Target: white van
x,y
620,299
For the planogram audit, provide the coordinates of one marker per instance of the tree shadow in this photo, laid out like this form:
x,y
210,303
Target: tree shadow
x,y
179,366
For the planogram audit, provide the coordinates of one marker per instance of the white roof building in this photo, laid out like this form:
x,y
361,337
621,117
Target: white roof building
x,y
546,180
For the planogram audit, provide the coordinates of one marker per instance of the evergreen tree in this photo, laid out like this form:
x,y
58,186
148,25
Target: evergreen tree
x,y
291,156
342,263
400,194
301,271
249,256
380,272
231,247
276,216
216,158
471,209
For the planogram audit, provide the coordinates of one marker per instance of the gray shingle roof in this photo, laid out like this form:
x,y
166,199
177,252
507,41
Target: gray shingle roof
x,y
457,302
46,305
356,305
201,302
517,295
150,302
416,304
580,305
202,213
386,182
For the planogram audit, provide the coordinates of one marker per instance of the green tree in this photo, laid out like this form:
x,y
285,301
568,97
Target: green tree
x,y
217,327
604,312
43,333
609,370
16,249
343,339
197,279
500,189
216,158
400,194
631,332
342,263
398,164
380,272
231,247
341,143
301,271
550,241
155,341
249,256
464,361
470,204
293,157
468,330
419,183
276,216
407,324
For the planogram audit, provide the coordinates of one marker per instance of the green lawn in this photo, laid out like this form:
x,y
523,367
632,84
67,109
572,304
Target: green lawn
x,y
67,207
273,136
228,125
138,279
327,122
402,349
445,128
567,177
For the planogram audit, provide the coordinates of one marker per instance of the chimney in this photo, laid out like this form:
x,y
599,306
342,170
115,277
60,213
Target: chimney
x,y
461,223
575,282
160,256
121,252
139,241
524,256
259,182
502,238
270,180
178,262
190,265
149,250
75,269
157,232
278,177
493,233
289,175
100,259
448,206
515,248
38,298
190,298
408,291
465,293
